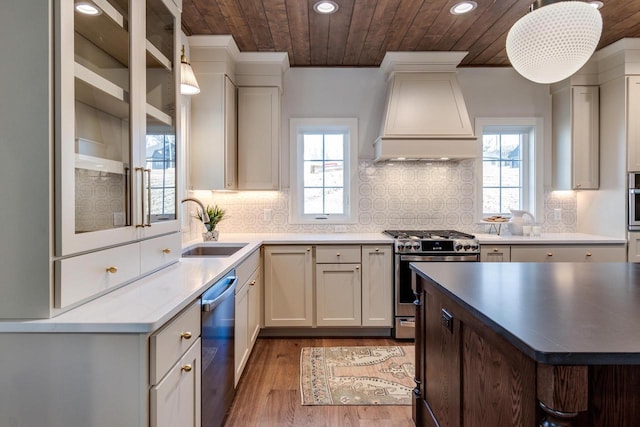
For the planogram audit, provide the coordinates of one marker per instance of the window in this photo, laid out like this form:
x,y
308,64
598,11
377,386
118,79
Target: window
x,y
323,170
510,150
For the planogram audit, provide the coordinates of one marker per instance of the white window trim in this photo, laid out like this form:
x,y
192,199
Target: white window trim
x,y
296,125
534,169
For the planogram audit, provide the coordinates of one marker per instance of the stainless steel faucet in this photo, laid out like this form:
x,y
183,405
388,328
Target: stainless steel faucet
x,y
205,216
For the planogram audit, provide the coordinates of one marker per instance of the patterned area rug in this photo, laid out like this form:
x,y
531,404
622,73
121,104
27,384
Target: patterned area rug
x,y
357,375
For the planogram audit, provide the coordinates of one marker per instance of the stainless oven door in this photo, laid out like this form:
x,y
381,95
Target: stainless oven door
x,y
404,296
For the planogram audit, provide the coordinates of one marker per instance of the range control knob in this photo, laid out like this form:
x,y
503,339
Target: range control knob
x,y
458,247
416,245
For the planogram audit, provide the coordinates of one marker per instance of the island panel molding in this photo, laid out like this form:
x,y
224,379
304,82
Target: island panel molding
x,y
472,354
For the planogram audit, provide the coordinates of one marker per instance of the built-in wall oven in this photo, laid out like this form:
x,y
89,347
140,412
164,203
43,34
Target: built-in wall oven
x,y
634,201
423,246
218,323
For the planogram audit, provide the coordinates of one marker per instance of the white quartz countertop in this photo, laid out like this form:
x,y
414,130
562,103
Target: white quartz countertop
x,y
146,304
548,239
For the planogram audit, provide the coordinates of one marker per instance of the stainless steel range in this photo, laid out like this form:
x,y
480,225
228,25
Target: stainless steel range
x,y
424,246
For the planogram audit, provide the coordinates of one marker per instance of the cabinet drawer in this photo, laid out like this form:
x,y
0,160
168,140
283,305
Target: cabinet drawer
x,y
155,253
568,253
84,276
247,267
495,253
332,254
169,343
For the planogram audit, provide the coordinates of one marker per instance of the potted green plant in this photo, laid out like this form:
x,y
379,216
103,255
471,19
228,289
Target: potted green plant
x,y
216,214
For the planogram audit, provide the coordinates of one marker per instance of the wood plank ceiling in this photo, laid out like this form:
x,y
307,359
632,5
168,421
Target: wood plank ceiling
x,y
362,31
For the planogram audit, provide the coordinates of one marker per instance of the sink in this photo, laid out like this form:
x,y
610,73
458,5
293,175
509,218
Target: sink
x,y
215,250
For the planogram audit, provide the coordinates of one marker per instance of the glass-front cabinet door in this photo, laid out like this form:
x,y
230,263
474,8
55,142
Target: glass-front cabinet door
x,y
116,143
161,89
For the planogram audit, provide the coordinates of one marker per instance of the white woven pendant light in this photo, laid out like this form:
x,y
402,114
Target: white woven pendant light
x,y
552,42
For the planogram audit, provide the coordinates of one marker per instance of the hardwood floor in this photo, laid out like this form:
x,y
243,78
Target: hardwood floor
x,y
269,391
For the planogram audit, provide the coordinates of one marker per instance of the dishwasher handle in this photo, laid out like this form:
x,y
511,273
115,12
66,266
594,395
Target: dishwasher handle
x,y
211,304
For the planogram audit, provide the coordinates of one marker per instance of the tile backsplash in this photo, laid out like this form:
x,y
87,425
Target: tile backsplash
x,y
391,196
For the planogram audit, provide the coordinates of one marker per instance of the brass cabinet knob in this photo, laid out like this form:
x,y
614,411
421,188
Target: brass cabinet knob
x,y
357,267
185,335
338,254
308,249
588,253
112,269
549,254
166,251
377,249
186,368
252,283
495,249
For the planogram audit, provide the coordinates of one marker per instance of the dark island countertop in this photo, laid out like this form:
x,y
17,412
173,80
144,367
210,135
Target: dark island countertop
x,y
555,313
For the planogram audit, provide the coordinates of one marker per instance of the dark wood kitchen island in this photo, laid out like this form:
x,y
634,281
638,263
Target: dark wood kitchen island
x,y
527,344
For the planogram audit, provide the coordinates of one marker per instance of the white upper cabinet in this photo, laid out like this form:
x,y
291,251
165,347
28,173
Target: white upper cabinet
x,y
576,137
213,144
116,141
633,123
258,138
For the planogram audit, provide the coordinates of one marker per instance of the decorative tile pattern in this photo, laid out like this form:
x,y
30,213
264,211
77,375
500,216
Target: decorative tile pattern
x,y
98,196
391,196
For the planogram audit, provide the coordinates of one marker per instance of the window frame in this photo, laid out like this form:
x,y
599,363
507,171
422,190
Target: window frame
x,y
532,158
297,126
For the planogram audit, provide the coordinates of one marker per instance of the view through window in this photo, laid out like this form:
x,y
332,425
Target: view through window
x,y
503,171
323,179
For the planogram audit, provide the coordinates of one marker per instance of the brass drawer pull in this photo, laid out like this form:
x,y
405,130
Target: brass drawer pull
x,y
549,254
186,368
185,335
338,254
377,249
495,249
112,269
588,253
166,251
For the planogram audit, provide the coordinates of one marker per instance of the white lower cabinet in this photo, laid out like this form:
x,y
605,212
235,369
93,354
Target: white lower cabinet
x,y
248,310
377,285
495,253
568,253
338,295
353,286
634,247
175,401
288,285
554,253
104,379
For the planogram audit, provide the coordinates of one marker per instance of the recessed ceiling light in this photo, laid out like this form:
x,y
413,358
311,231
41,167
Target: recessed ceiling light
x,y
596,3
463,7
88,8
325,7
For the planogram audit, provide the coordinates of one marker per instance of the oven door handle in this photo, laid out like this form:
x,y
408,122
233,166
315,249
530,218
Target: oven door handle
x,y
437,258
210,305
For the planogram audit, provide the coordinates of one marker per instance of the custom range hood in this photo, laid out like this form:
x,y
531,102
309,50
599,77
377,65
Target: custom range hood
x,y
425,116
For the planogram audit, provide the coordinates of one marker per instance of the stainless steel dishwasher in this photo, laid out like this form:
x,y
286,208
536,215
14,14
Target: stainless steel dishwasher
x,y
218,322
